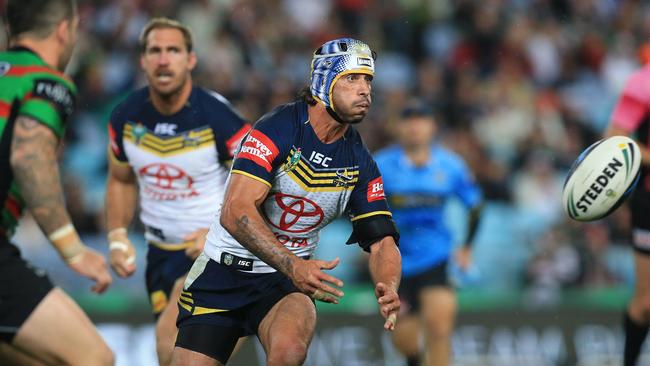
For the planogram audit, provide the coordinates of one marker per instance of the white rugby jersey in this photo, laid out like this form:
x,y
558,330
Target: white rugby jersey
x,y
311,184
178,159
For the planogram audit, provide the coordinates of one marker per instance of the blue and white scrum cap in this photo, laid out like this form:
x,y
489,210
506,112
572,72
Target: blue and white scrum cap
x,y
335,59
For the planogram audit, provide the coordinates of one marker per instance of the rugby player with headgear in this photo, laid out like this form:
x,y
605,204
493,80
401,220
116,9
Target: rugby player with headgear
x,y
39,323
171,142
300,167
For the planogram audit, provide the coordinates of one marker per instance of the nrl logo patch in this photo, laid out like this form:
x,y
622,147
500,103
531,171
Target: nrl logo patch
x,y
227,259
4,68
138,132
293,161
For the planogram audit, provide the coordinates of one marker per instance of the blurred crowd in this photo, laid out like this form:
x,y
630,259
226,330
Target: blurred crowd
x,y
520,87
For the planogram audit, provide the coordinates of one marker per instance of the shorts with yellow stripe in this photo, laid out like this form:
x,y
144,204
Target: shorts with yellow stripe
x,y
166,263
223,296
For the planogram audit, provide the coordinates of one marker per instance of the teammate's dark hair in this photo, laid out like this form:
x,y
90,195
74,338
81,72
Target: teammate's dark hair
x,y
305,95
165,23
37,17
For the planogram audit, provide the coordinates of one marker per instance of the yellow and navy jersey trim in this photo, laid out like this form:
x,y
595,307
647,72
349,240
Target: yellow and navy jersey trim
x,y
319,180
186,302
373,213
237,171
140,136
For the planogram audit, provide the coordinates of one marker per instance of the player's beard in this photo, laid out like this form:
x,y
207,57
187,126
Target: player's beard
x,y
347,116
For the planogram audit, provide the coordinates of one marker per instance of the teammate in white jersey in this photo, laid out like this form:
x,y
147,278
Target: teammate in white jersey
x,y
174,142
300,167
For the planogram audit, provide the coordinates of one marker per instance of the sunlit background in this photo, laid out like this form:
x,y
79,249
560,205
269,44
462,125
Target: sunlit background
x,y
521,87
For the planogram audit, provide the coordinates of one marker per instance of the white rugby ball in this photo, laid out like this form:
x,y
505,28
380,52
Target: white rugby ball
x,y
601,178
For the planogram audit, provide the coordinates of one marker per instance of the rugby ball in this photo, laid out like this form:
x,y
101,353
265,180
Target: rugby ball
x,y
601,178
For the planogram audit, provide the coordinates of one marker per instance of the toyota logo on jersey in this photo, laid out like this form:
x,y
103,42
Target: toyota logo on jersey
x,y
293,214
166,182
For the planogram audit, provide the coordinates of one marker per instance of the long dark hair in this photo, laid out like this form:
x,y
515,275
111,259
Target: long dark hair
x,y
305,95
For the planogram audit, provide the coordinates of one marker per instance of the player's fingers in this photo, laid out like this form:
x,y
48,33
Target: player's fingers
x,y
320,295
331,290
329,265
102,280
331,279
380,289
391,321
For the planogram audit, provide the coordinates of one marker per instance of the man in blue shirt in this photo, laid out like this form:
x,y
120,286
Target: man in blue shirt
x,y
419,178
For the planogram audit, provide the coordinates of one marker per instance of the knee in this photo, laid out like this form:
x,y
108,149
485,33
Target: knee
x,y
287,353
165,338
439,327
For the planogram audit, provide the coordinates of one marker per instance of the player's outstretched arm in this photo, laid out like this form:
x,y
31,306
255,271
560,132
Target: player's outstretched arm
x,y
35,168
385,266
121,200
241,216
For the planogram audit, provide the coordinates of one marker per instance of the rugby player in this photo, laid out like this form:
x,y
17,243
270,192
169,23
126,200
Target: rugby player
x,y
173,142
631,116
39,323
300,167
421,177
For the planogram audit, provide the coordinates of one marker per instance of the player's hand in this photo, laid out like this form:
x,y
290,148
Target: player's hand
x,y
464,257
91,264
309,279
198,238
121,253
389,304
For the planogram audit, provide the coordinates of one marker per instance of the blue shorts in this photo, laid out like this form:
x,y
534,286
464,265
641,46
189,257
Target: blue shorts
x,y
225,297
164,267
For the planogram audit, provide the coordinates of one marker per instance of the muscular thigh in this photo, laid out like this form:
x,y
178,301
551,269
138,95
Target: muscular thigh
x,y
22,288
293,317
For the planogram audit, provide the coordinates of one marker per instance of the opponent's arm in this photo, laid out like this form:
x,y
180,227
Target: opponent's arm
x,y
385,265
121,200
464,253
241,216
35,168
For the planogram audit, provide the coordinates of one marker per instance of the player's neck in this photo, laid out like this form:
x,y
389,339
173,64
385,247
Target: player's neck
x,y
418,155
46,49
170,104
327,129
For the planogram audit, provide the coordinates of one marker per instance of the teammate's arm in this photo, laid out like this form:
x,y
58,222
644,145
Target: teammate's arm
x,y
121,201
35,168
241,217
385,265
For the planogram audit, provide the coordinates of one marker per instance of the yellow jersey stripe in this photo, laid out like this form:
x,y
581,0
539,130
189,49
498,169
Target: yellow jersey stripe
x,y
314,174
171,247
387,213
237,171
175,152
199,310
185,306
186,299
320,188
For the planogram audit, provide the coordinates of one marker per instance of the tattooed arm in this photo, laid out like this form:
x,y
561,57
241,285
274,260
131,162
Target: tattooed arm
x,y
241,216
35,168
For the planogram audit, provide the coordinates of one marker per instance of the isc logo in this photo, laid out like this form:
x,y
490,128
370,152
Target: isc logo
x,y
165,129
318,158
